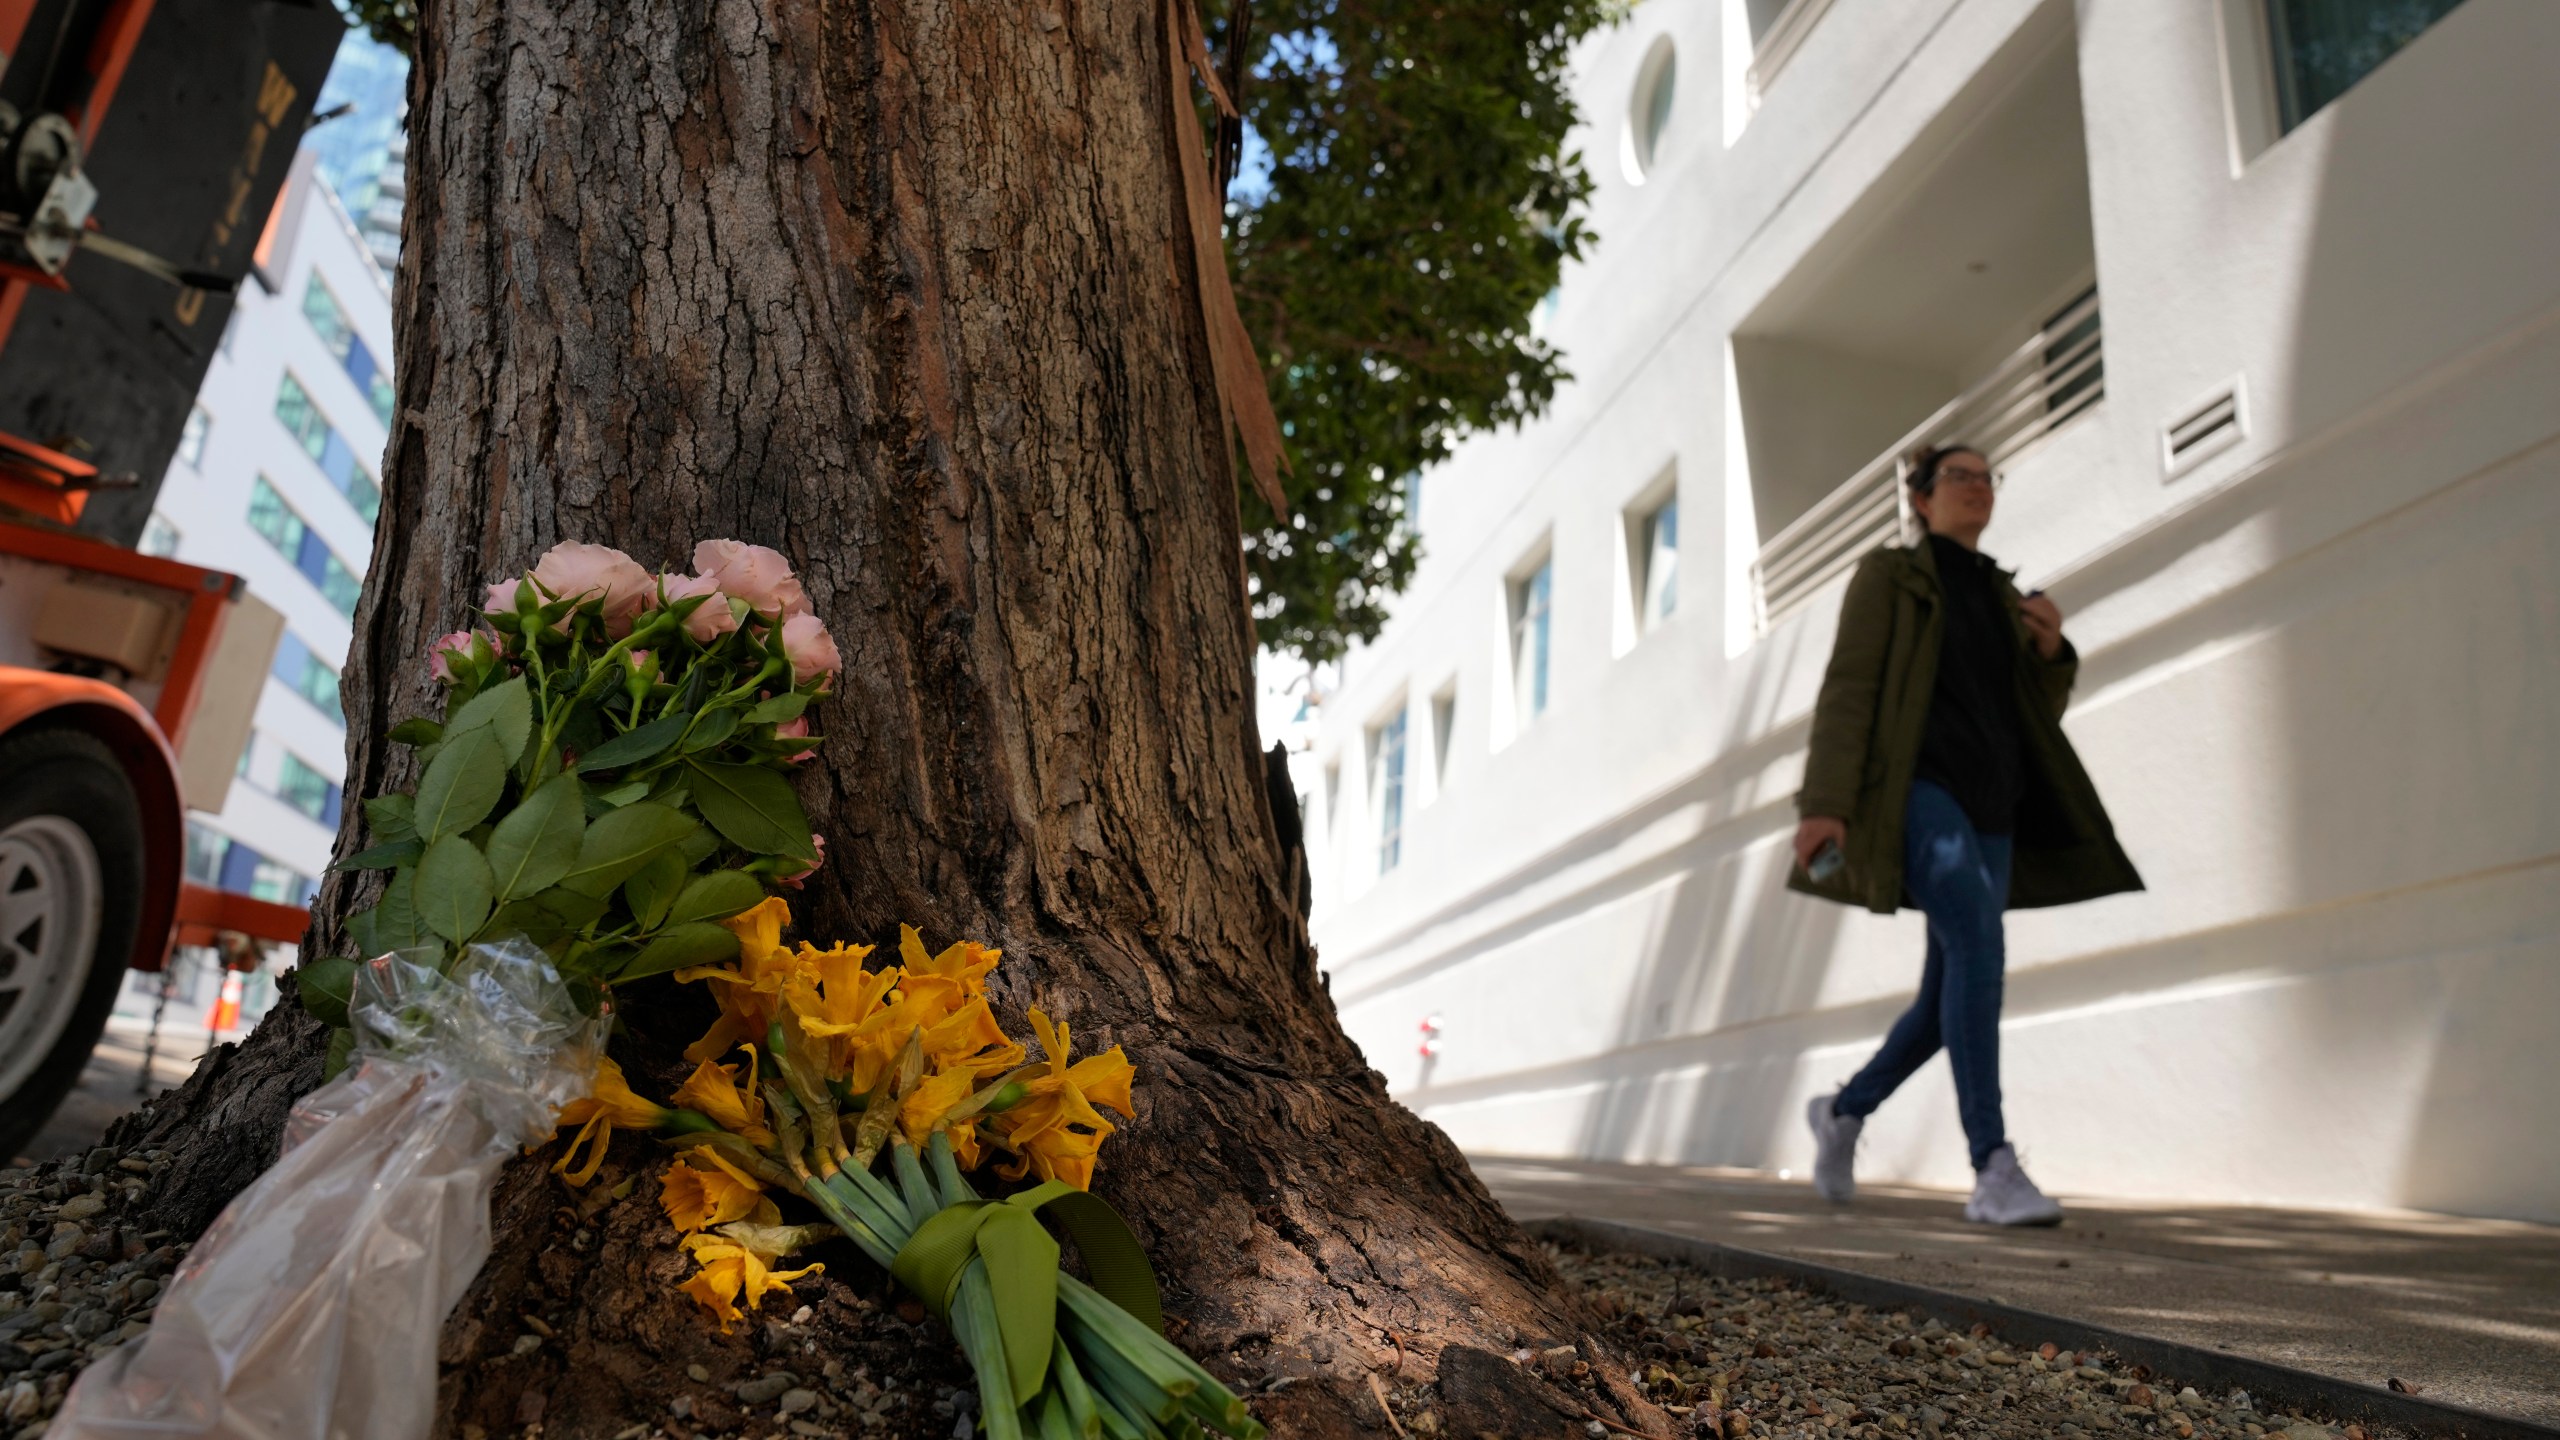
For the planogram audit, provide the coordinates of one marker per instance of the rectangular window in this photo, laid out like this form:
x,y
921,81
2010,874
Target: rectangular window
x,y
159,537
278,883
327,448
205,852
307,790
1530,598
1386,787
1657,554
330,319
191,437
2075,374
271,517
1444,724
2323,47
309,676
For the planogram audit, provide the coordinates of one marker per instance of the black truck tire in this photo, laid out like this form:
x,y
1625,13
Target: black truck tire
x,y
71,886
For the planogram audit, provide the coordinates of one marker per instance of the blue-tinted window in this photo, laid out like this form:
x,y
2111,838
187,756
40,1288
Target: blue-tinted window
x,y
1530,598
1386,787
309,676
271,517
307,790
2323,47
327,448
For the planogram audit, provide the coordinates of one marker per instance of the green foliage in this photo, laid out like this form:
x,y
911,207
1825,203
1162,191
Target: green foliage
x,y
1419,204
393,22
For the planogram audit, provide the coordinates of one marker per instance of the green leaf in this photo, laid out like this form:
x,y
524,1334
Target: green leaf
x,y
462,786
652,888
532,919
386,856
633,745
714,896
342,1051
778,709
624,794
753,808
576,910
360,930
395,916
392,817
454,889
699,846
714,727
676,947
538,841
326,985
621,842
505,710
416,730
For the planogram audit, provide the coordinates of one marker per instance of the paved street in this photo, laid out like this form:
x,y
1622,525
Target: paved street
x,y
2467,1309
113,1082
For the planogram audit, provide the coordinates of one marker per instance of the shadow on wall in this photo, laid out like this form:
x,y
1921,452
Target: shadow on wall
x,y
1731,947
2425,692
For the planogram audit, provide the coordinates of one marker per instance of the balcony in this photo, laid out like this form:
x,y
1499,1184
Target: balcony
x,y
1952,300
2040,386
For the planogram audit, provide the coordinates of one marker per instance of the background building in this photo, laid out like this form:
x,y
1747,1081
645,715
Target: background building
x,y
277,481
2254,302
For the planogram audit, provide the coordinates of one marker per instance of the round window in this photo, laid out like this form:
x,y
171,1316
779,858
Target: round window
x,y
1649,109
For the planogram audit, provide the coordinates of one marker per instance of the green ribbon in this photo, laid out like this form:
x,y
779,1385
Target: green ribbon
x,y
1022,1267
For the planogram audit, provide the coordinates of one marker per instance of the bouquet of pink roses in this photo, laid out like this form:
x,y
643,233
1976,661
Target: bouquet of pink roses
x,y
607,777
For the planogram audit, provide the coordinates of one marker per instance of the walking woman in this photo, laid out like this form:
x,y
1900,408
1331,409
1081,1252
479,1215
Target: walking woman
x,y
1940,778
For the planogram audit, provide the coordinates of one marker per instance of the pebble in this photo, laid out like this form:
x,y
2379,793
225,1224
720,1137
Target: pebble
x,y
698,1373
1773,1362
765,1388
75,1281
798,1399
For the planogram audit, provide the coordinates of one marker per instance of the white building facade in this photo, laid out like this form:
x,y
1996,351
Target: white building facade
x,y
2257,304
276,480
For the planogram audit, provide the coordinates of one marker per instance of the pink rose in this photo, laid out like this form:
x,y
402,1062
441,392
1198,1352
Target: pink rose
x,y
502,596
644,664
712,618
796,728
817,843
811,648
759,576
572,570
446,650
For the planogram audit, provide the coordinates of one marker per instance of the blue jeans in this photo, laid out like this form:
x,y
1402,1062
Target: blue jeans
x,y
1961,881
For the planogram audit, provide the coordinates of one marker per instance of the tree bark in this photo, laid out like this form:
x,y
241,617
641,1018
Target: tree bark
x,y
902,288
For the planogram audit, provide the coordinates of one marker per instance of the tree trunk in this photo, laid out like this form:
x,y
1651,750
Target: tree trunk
x,y
902,288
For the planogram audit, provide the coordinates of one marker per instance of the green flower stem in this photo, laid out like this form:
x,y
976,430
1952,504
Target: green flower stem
x,y
1082,1414
855,1225
1114,1375
919,1192
1130,1342
851,1198
1116,1424
973,1319
1053,1417
946,1170
887,1199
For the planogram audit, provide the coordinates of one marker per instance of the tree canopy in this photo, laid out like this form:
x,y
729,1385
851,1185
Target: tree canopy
x,y
1405,202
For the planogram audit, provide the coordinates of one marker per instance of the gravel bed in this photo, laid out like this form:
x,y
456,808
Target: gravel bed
x,y
76,1280
1766,1358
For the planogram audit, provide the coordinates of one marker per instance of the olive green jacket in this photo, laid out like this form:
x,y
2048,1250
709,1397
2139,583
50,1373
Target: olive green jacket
x,y
1867,726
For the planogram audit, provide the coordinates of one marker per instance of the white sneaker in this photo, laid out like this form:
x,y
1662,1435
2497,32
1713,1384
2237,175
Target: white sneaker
x,y
2003,1195
1835,1149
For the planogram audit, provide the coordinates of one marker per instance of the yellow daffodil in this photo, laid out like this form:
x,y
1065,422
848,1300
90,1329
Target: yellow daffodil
x,y
612,1104
1054,1130
713,1090
957,975
749,993
836,1000
732,1271
698,1196
969,1039
932,1100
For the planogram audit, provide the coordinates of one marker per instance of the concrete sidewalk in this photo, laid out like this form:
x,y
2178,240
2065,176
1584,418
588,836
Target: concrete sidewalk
x,y
2469,1310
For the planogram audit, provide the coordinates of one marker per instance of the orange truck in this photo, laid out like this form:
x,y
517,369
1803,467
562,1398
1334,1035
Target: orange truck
x,y
144,143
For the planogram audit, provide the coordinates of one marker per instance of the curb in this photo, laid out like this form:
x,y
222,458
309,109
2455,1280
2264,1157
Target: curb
x,y
2209,1371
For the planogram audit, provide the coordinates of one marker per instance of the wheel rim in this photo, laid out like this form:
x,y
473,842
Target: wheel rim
x,y
50,897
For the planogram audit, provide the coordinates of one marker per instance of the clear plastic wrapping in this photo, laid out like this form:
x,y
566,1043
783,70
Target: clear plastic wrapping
x,y
311,1307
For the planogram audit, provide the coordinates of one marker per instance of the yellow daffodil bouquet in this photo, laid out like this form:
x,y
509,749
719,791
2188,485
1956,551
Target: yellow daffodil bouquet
x,y
870,1094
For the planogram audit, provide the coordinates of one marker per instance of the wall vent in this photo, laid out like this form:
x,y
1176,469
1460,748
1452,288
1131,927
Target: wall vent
x,y
2206,428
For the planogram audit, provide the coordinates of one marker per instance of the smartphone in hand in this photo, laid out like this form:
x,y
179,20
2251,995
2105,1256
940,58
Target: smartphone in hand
x,y
1827,861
